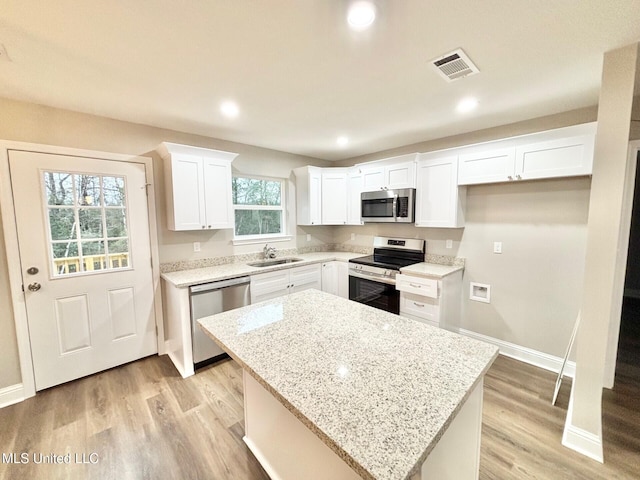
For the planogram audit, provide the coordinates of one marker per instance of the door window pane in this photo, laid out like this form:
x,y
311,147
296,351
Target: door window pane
x,y
113,189
58,188
116,222
90,222
88,190
88,227
63,223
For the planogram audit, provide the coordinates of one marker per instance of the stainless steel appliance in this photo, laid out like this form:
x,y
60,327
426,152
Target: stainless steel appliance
x,y
209,299
388,206
372,279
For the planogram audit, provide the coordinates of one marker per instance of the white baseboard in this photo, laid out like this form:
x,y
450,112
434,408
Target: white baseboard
x,y
524,354
583,442
11,394
578,439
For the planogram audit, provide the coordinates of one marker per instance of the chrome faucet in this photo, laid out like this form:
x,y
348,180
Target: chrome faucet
x,y
269,252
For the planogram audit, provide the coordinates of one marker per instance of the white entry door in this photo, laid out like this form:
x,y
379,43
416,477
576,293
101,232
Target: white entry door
x,y
83,236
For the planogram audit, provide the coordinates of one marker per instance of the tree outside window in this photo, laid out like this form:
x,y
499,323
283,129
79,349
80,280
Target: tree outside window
x,y
259,207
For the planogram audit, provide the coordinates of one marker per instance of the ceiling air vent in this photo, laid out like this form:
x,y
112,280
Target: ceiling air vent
x,y
454,65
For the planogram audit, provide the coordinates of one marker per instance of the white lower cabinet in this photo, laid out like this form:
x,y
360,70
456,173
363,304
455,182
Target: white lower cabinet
x,y
335,278
435,301
265,286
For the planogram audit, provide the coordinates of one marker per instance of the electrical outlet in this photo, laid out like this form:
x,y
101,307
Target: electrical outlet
x,y
353,236
308,237
196,246
449,244
497,247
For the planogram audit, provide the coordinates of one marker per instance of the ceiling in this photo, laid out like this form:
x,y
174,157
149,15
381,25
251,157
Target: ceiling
x,y
300,77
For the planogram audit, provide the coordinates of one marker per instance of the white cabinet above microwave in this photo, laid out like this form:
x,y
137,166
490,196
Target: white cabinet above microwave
x,y
391,173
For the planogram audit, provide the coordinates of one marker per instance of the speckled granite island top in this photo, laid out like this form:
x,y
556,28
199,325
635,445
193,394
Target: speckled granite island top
x,y
378,389
424,269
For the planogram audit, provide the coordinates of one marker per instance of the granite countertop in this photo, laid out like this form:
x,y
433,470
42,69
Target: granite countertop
x,y
378,389
424,269
186,278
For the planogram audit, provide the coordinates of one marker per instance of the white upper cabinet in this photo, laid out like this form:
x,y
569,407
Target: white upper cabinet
x,y
564,157
334,196
308,195
487,166
198,185
396,172
440,201
354,189
563,152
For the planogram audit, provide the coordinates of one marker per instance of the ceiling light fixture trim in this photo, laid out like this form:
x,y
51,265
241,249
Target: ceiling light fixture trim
x,y
361,15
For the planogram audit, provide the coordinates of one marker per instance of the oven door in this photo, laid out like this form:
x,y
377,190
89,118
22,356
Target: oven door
x,y
374,292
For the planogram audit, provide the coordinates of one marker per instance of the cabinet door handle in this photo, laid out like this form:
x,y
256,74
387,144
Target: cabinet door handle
x,y
415,285
510,177
518,177
418,304
202,226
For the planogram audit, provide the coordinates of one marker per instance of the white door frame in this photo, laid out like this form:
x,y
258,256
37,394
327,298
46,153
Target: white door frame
x,y
13,251
621,264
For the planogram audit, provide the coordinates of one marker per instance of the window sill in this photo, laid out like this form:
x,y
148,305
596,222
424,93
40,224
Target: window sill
x,y
261,239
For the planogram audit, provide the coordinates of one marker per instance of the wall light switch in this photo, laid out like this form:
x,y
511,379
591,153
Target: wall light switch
x,y
449,244
497,247
353,236
196,246
308,237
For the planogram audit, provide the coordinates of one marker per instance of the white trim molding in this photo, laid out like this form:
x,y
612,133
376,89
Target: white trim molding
x,y
580,440
11,394
524,354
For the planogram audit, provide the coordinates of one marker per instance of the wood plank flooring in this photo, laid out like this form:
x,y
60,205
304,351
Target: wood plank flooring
x,y
145,422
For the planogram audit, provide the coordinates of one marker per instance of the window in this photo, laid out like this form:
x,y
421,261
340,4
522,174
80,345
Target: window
x,y
258,207
87,221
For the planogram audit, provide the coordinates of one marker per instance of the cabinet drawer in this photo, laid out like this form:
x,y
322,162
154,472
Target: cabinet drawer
x,y
421,307
265,283
426,287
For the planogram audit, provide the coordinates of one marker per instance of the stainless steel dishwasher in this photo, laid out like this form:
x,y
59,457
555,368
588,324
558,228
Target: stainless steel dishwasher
x,y
209,299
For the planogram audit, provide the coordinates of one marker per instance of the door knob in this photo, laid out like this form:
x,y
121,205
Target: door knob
x,y
32,270
34,287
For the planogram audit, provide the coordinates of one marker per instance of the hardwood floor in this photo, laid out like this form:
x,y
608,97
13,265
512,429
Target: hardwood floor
x,y
145,422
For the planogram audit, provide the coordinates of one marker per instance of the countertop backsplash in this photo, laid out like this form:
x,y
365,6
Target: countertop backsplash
x,y
288,252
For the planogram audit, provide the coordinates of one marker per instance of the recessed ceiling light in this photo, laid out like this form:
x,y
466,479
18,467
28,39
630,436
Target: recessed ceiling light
x,y
342,141
467,104
229,109
361,15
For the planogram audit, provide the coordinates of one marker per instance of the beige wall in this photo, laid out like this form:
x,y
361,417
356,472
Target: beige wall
x,y
9,366
37,124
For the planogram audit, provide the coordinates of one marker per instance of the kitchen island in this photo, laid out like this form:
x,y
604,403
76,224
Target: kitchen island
x,y
336,389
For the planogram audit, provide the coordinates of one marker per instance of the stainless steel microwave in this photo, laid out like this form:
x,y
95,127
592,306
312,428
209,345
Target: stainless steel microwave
x,y
388,206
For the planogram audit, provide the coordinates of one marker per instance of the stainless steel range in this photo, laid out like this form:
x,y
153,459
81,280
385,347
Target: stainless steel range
x,y
372,279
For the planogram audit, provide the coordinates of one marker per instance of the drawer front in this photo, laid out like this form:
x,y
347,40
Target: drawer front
x,y
266,283
427,287
421,307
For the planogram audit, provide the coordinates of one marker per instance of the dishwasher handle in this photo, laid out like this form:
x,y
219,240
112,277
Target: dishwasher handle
x,y
207,287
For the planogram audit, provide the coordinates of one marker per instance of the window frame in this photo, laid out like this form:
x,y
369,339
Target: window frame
x,y
283,235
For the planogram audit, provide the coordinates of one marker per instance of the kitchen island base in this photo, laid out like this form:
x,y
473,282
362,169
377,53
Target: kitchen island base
x,y
288,450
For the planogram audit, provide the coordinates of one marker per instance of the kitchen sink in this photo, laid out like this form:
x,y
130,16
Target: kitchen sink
x,y
277,261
